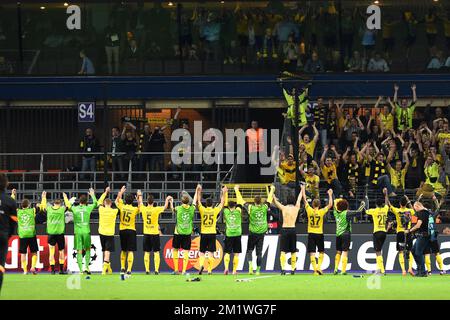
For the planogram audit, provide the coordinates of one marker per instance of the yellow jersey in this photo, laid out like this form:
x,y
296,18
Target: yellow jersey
x,y
315,219
387,121
287,172
379,216
329,173
128,215
208,217
309,147
399,214
312,183
150,215
398,178
107,220
441,137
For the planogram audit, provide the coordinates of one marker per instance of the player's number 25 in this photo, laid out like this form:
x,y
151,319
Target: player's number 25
x,y
207,220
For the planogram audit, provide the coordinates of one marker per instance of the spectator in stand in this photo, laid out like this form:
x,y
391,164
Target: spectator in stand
x,y
404,112
156,144
398,172
291,54
352,171
356,63
437,61
329,166
87,67
286,173
88,145
283,30
320,118
411,31
211,34
431,26
314,64
351,126
129,145
385,117
132,56
348,32
312,181
377,64
433,179
379,178
144,138
387,29
368,43
112,47
310,145
116,148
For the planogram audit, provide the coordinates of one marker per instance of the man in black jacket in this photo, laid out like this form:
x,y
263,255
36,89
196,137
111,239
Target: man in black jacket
x,y
8,216
156,144
88,145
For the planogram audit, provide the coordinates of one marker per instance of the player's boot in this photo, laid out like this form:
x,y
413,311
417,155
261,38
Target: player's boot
x,y
122,271
292,272
175,273
87,272
156,273
53,269
319,272
411,272
225,272
235,273
343,273
258,271
250,271
429,273
128,274
283,273
147,273
335,272
33,271
442,272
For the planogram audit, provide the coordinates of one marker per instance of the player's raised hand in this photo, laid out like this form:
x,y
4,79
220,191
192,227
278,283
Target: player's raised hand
x,y
385,191
413,87
330,192
396,87
236,187
64,195
13,192
44,194
139,193
225,189
91,191
108,190
123,189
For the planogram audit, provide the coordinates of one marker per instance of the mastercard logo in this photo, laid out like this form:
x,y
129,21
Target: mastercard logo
x,y
194,255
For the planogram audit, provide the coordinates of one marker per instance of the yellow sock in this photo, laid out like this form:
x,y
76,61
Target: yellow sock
x,y
51,255
337,260
410,262
210,263
226,260
130,261
105,268
313,262
157,258
428,262
282,260
344,264
293,261
33,261
380,264
123,260
25,264
235,262
201,261
185,260
147,261
439,262
61,261
401,260
319,263
175,260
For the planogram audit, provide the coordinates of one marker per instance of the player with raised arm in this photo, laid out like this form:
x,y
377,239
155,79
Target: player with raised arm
x,y
107,229
26,229
433,248
379,216
127,230
150,216
343,232
258,226
288,238
232,216
183,229
315,228
56,225
403,216
208,222
82,228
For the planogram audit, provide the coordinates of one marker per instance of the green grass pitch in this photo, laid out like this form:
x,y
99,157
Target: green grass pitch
x,y
217,286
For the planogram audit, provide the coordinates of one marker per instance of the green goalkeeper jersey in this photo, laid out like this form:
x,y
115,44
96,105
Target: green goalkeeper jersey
x,y
233,222
343,225
82,217
26,223
185,219
55,220
258,218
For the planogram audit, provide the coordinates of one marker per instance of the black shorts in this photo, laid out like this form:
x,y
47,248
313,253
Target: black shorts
x,y
315,241
181,241
207,243
401,241
57,239
24,243
233,244
107,243
3,248
288,240
255,241
408,241
152,243
343,242
379,238
433,247
128,240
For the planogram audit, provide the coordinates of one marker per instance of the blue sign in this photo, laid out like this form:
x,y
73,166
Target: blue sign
x,y
86,112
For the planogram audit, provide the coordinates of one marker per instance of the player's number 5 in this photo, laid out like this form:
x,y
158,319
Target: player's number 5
x,y
126,217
